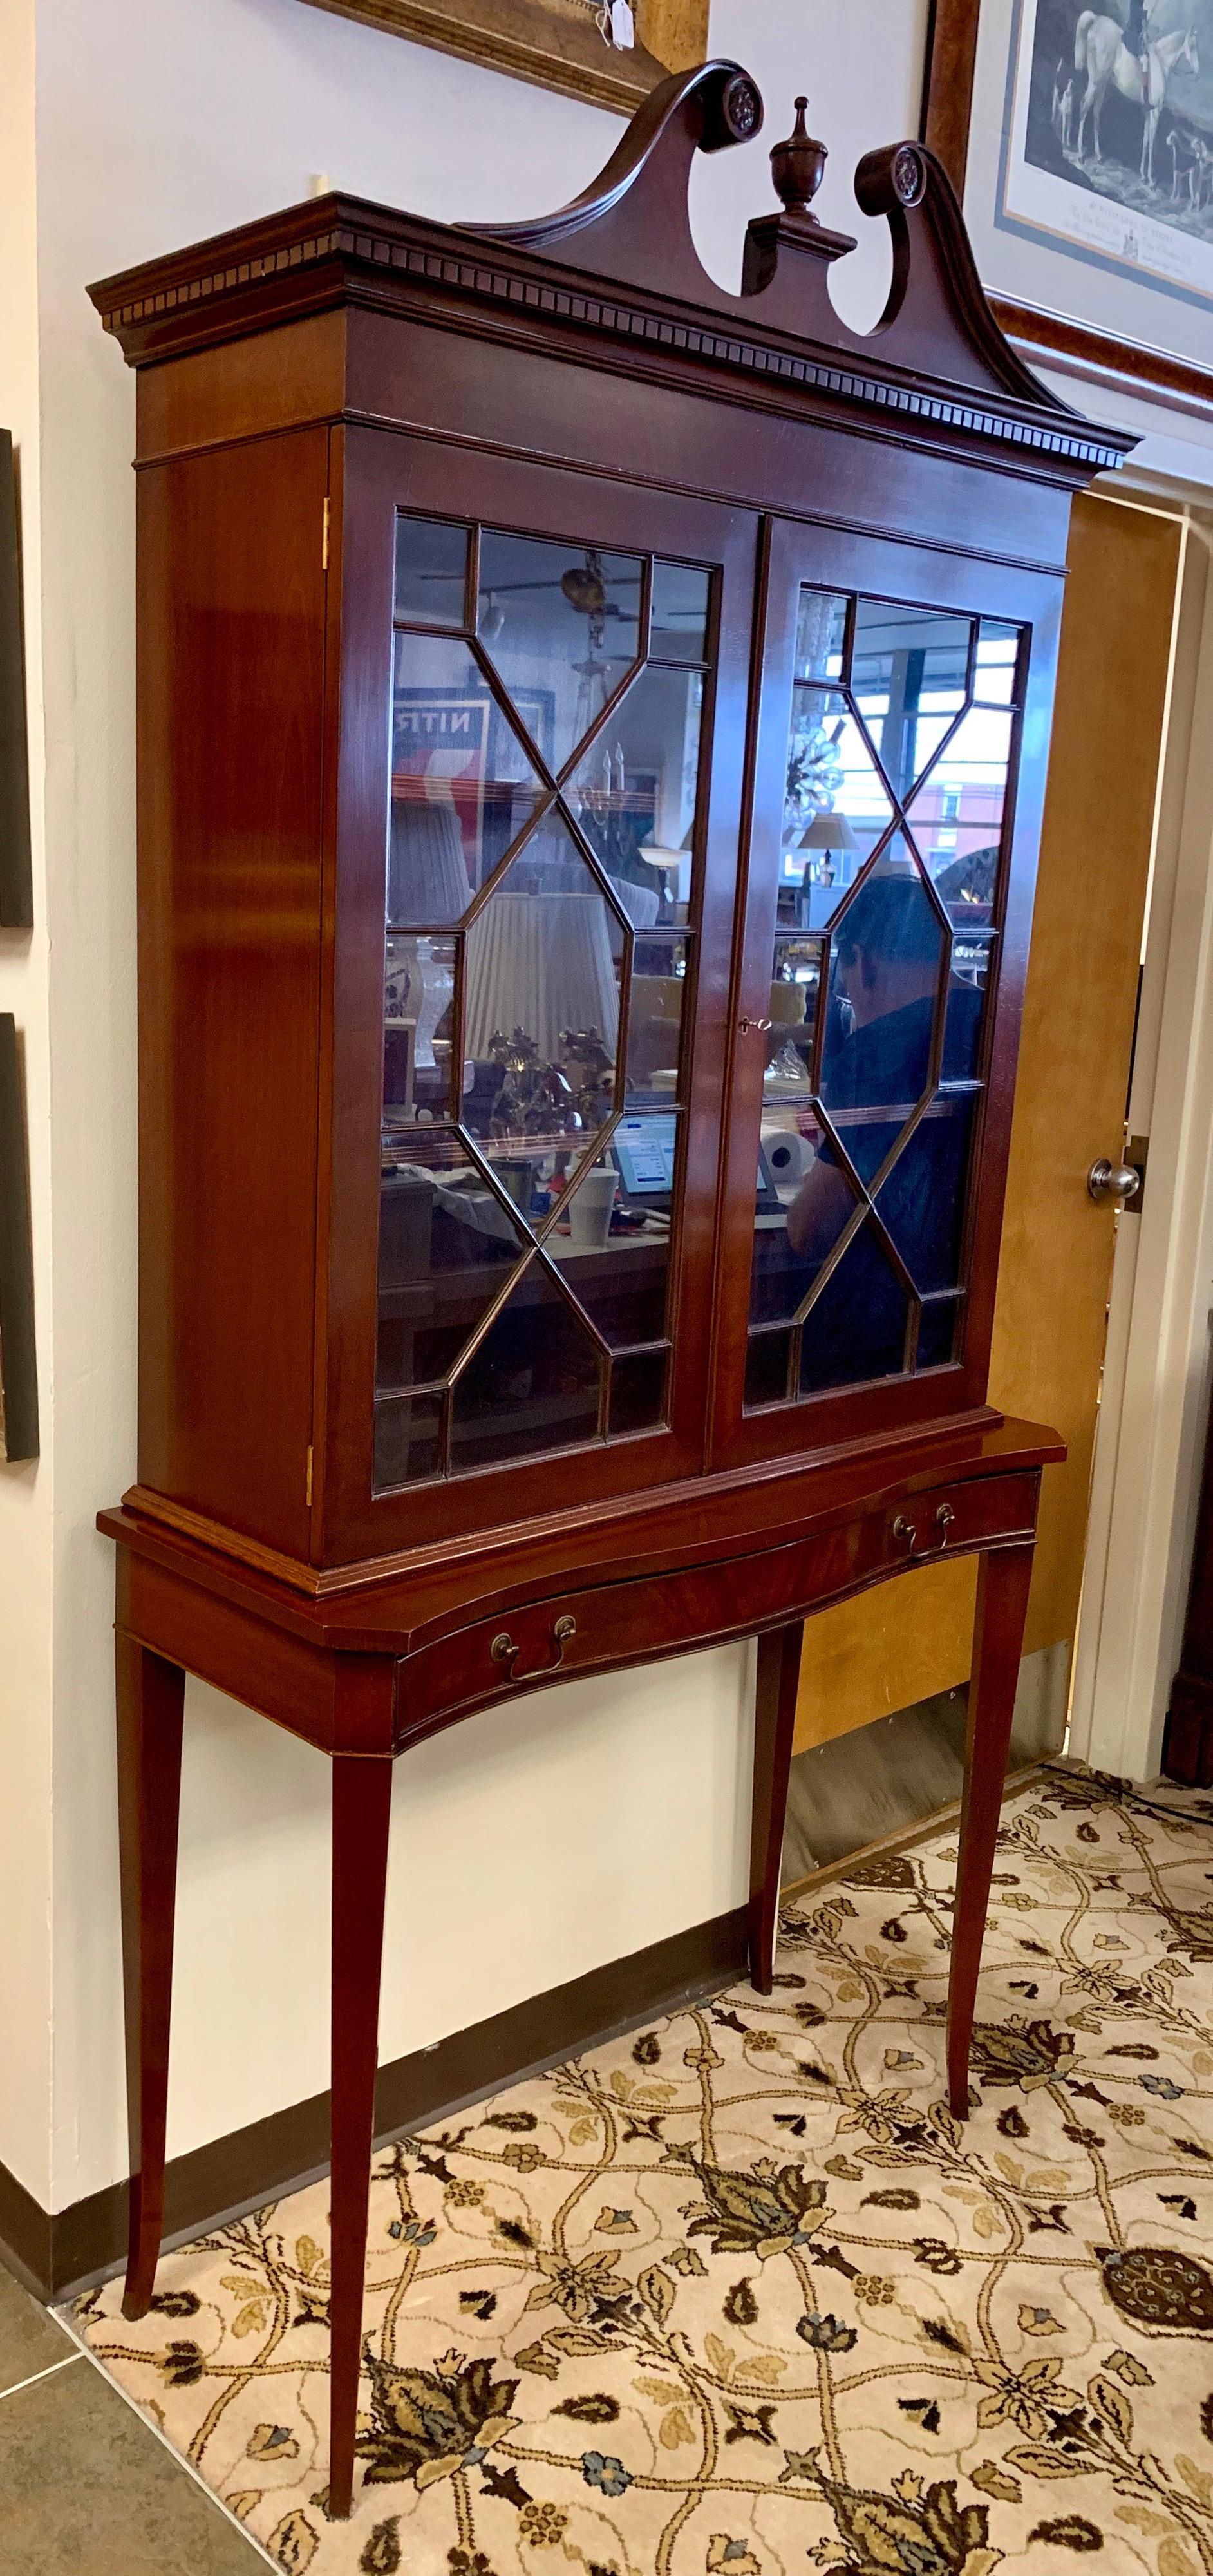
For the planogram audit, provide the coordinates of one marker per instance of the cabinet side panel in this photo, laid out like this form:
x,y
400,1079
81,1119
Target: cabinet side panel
x,y
231,690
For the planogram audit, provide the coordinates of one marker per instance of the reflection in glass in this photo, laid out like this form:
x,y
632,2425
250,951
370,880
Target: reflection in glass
x,y
407,1433
956,815
637,1392
972,953
634,790
837,809
620,1273
910,679
767,1361
516,923
462,785
939,1333
447,1247
544,962
821,632
678,617
857,1328
533,1382
886,950
561,624
621,1284
923,1200
655,1018
899,756
994,680
419,988
795,992
431,572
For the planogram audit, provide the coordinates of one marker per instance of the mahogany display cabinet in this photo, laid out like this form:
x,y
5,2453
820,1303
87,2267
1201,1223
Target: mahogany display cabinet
x,y
592,732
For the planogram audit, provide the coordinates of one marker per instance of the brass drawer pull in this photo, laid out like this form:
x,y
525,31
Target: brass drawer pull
x,y
504,1651
908,1530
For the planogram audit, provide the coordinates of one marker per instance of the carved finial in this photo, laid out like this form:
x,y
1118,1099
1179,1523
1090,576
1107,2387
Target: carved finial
x,y
797,167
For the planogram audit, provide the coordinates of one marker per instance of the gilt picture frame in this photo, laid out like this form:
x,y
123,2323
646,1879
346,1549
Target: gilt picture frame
x,y
581,47
1094,236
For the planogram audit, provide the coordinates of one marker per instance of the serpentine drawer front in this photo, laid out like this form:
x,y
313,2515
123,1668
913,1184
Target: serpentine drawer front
x,y
622,1623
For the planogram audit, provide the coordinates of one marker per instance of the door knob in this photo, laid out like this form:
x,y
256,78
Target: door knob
x,y
1107,1180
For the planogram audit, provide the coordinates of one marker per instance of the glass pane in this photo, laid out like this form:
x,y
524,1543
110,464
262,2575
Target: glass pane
x,y
836,806
956,815
418,991
431,571
767,1361
637,1392
654,1050
805,1200
634,791
923,1200
857,1329
795,992
939,1333
462,785
997,661
561,623
885,959
821,633
971,958
615,1255
910,680
532,1384
541,1017
447,1246
407,1441
678,617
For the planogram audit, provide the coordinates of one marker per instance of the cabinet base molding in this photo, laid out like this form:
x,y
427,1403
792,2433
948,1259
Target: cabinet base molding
x,y
57,2253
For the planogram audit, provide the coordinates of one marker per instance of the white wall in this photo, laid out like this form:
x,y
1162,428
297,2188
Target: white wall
x,y
25,1492
535,1843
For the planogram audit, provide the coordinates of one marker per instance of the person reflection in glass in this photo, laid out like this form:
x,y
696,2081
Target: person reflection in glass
x,y
883,996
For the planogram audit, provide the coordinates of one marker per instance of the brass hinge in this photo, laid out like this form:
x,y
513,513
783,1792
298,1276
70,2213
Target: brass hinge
x,y
324,548
309,1479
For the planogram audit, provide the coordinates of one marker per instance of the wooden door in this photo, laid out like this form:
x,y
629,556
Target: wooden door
x,y
912,1638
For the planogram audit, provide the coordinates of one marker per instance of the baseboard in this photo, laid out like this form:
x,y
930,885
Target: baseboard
x,y
56,2254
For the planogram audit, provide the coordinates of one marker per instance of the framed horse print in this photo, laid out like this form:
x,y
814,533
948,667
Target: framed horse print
x,y
1083,139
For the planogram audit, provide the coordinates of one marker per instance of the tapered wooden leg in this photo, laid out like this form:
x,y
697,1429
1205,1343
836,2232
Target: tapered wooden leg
x,y
150,1700
362,1798
1002,1602
774,1724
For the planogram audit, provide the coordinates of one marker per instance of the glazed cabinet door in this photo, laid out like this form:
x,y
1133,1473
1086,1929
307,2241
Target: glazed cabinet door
x,y
895,800
540,686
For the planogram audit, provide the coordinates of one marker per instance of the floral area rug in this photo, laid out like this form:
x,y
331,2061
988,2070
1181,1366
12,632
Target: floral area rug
x,y
736,2296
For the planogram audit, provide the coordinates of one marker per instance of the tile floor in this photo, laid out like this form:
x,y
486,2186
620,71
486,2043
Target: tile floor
x,y
86,2487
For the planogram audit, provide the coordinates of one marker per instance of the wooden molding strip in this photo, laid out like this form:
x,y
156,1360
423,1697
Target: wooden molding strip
x,y
1072,349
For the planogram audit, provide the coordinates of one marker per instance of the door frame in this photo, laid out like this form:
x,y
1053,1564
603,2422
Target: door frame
x,y
1149,1440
